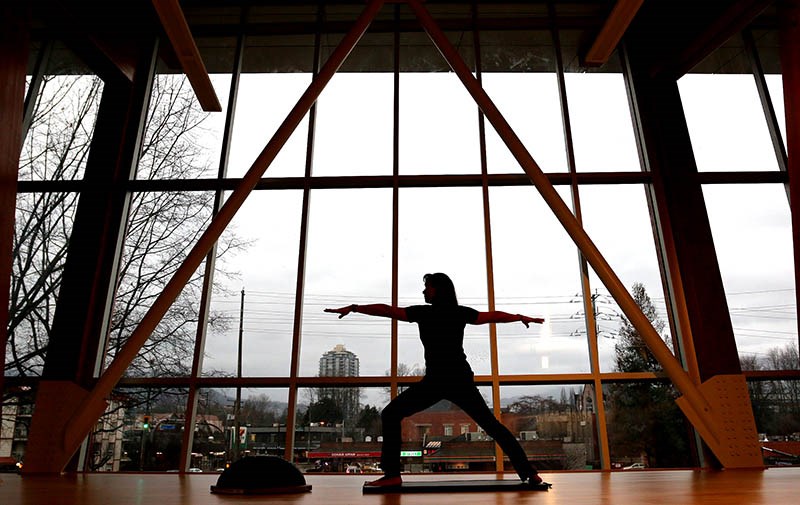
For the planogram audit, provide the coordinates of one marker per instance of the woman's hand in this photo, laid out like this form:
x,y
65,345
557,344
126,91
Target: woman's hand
x,y
527,320
343,311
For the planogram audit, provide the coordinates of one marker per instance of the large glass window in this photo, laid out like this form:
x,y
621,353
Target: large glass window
x,y
602,129
754,250
645,426
257,256
438,125
16,414
530,104
555,424
354,125
226,430
162,227
263,103
57,143
726,123
776,407
344,267
338,429
438,234
618,221
141,430
43,226
347,257
535,273
182,141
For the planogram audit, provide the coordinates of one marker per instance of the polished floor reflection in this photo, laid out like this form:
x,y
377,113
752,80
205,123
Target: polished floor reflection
x,y
685,487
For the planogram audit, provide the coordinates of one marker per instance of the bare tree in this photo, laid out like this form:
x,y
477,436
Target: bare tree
x,y
776,403
403,370
161,225
56,148
160,229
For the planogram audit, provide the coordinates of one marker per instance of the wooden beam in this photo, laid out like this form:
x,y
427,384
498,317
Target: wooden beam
x,y
730,22
613,29
177,30
789,14
96,35
14,21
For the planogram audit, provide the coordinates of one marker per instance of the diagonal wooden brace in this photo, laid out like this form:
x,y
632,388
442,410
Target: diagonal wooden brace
x,y
708,421
86,411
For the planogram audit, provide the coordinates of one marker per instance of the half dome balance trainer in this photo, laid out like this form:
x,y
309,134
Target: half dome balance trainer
x,y
261,475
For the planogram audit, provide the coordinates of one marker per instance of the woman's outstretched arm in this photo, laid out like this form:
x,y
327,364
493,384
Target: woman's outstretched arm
x,y
497,316
375,309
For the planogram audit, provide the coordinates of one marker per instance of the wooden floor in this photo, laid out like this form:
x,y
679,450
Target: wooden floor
x,y
775,486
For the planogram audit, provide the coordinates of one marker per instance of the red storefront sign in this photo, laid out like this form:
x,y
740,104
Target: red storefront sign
x,y
344,454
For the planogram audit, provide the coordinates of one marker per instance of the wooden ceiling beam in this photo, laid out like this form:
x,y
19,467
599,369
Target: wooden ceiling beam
x,y
612,31
87,30
177,30
730,22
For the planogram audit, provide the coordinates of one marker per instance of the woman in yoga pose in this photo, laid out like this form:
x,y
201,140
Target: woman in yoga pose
x,y
448,376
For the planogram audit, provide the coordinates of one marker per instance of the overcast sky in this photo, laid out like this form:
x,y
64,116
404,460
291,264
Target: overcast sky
x,y
535,263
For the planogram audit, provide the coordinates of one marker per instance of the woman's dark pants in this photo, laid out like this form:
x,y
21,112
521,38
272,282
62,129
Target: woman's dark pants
x,y
465,395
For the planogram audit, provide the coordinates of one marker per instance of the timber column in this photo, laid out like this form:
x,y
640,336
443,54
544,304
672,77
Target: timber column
x,y
80,324
687,246
14,41
693,281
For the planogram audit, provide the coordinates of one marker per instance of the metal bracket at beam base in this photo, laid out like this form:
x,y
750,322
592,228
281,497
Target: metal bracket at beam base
x,y
733,437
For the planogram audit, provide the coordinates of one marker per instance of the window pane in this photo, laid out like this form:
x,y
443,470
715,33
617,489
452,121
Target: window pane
x,y
530,104
438,125
215,423
162,228
467,448
348,261
262,105
261,423
181,141
751,226
16,412
339,429
441,231
618,221
42,229
556,424
141,430
726,123
536,273
646,426
602,129
257,255
62,126
354,126
776,408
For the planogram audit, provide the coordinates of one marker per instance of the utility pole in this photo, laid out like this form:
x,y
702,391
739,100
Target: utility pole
x,y
237,410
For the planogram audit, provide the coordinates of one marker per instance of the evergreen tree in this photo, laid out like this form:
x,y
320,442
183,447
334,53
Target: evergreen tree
x,y
644,420
631,353
370,420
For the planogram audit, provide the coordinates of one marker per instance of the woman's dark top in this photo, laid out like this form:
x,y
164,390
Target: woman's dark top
x,y
441,329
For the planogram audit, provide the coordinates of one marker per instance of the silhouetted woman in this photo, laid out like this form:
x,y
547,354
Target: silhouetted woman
x,y
448,376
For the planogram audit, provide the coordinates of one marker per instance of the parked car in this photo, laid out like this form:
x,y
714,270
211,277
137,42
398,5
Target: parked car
x,y
635,466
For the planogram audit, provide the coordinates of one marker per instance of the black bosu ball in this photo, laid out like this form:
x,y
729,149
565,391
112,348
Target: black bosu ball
x,y
261,475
